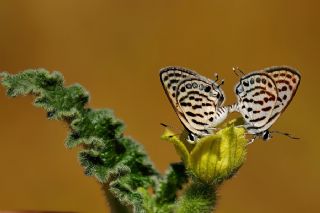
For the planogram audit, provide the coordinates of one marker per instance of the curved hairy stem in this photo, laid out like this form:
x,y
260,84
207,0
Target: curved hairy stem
x,y
128,178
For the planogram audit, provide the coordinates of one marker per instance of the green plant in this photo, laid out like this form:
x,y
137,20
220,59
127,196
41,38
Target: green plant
x,y
128,177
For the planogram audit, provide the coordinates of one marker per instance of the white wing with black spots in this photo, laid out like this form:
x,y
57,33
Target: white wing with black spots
x,y
170,77
196,99
257,95
268,93
199,102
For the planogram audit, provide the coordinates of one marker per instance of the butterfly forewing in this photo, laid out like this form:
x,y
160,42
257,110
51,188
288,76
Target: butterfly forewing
x,y
257,95
170,77
197,102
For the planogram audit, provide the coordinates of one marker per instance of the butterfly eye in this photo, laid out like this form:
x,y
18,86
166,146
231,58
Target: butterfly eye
x,y
266,135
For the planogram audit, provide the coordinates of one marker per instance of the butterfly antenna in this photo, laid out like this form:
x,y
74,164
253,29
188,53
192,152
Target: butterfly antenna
x,y
216,76
172,128
221,83
238,71
252,140
164,125
170,136
286,134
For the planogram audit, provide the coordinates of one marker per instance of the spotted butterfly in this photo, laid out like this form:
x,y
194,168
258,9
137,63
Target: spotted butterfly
x,y
264,95
196,99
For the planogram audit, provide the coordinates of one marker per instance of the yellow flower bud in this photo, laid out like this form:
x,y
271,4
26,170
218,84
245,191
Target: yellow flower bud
x,y
213,158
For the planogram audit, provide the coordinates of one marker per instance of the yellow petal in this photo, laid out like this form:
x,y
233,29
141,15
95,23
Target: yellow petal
x,y
218,156
178,144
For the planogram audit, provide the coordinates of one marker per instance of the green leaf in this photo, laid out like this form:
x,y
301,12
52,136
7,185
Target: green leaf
x,y
119,163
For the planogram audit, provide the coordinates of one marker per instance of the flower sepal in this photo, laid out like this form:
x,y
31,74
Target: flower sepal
x,y
213,158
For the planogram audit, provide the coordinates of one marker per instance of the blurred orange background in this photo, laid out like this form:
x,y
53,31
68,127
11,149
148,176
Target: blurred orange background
x,y
115,48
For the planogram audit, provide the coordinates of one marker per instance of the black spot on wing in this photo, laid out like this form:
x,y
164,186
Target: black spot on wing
x,y
194,85
258,79
284,97
255,88
264,81
196,106
191,114
207,89
285,82
194,93
265,109
198,122
273,117
206,104
270,120
258,102
258,119
185,104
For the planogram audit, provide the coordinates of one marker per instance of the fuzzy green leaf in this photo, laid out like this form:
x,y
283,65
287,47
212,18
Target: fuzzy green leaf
x,y
119,163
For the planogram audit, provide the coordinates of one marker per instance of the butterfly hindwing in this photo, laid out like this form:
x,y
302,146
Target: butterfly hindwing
x,y
287,81
257,95
197,101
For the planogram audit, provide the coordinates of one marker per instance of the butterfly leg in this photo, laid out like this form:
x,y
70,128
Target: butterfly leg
x,y
252,140
216,76
213,129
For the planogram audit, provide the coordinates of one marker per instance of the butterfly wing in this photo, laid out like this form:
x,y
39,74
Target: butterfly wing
x,y
197,103
170,77
257,95
287,81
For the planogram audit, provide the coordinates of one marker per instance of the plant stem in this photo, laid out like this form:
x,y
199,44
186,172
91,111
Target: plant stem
x,y
198,197
114,204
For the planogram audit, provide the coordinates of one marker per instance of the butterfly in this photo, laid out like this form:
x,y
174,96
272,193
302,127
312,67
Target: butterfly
x,y
264,95
196,100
